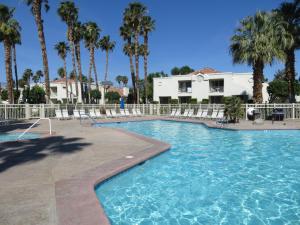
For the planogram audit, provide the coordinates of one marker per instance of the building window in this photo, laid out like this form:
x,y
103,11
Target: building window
x,y
216,99
164,100
216,86
184,100
185,86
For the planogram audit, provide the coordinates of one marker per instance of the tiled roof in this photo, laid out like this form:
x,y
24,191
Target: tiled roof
x,y
62,80
205,70
115,89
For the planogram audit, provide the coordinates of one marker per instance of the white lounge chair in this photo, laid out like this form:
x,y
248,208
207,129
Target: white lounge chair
x,y
98,114
198,115
214,115
76,114
220,114
178,113
122,113
139,113
65,114
92,113
173,112
191,113
204,114
186,113
127,112
114,113
82,114
134,113
108,113
58,114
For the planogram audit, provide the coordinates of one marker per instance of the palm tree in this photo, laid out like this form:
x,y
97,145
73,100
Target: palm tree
x,y
36,9
37,76
119,79
143,52
8,29
61,72
16,39
91,35
108,46
128,49
125,80
133,17
289,13
77,37
69,14
62,49
254,43
27,74
148,25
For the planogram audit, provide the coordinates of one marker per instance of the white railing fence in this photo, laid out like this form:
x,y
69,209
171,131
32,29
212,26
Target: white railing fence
x,y
32,111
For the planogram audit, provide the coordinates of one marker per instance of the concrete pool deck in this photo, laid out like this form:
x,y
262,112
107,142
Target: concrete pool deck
x,y
50,180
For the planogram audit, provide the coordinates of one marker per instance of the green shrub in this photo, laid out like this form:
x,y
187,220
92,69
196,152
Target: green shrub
x,y
112,97
204,101
174,101
193,101
233,109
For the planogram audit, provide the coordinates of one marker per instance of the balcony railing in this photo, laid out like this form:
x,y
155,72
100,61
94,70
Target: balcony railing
x,y
185,90
216,89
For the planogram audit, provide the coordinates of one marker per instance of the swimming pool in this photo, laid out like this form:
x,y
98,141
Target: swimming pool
x,y
14,136
209,176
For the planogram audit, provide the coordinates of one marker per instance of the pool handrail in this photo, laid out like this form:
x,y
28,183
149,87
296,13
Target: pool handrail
x,y
50,127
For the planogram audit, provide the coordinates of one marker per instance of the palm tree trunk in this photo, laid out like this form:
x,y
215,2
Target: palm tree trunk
x,y
132,76
15,66
39,22
78,59
90,75
258,76
74,66
94,66
8,69
66,77
106,66
136,53
290,74
146,67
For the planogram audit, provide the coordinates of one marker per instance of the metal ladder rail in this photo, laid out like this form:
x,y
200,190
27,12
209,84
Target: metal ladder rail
x,y
50,127
92,119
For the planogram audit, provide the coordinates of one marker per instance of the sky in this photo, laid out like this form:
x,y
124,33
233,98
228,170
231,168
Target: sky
x,y
188,32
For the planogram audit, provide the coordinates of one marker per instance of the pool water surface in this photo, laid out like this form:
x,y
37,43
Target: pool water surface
x,y
209,176
14,136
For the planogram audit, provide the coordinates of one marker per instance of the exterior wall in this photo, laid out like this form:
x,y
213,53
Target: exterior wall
x,y
234,84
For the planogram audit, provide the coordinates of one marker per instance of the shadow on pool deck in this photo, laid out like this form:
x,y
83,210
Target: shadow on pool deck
x,y
15,153
15,126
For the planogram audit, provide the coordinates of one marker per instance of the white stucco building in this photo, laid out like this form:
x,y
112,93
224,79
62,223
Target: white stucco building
x,y
58,91
206,83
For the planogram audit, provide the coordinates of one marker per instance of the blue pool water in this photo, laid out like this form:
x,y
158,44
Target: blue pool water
x,y
14,136
209,176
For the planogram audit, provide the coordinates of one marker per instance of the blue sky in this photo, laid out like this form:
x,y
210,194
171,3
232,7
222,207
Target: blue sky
x,y
188,32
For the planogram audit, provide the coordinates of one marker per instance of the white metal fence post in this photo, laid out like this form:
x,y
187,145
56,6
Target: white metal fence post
x,y
246,108
293,112
42,111
27,111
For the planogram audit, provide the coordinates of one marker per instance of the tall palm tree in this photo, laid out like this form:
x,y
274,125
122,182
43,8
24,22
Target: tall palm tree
x,y
148,25
108,46
61,72
289,12
8,29
27,74
128,49
78,36
36,9
69,14
16,39
62,49
91,35
133,17
37,76
254,43
125,80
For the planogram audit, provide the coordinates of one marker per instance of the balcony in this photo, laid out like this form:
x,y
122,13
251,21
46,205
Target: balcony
x,y
216,89
216,86
184,87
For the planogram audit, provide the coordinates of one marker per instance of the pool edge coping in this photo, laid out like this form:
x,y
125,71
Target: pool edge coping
x,y
76,200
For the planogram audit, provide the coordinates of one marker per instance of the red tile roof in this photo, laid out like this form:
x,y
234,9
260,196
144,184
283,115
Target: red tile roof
x,y
205,70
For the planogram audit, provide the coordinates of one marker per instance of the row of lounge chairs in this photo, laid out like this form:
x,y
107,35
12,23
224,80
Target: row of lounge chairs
x,y
201,114
95,113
